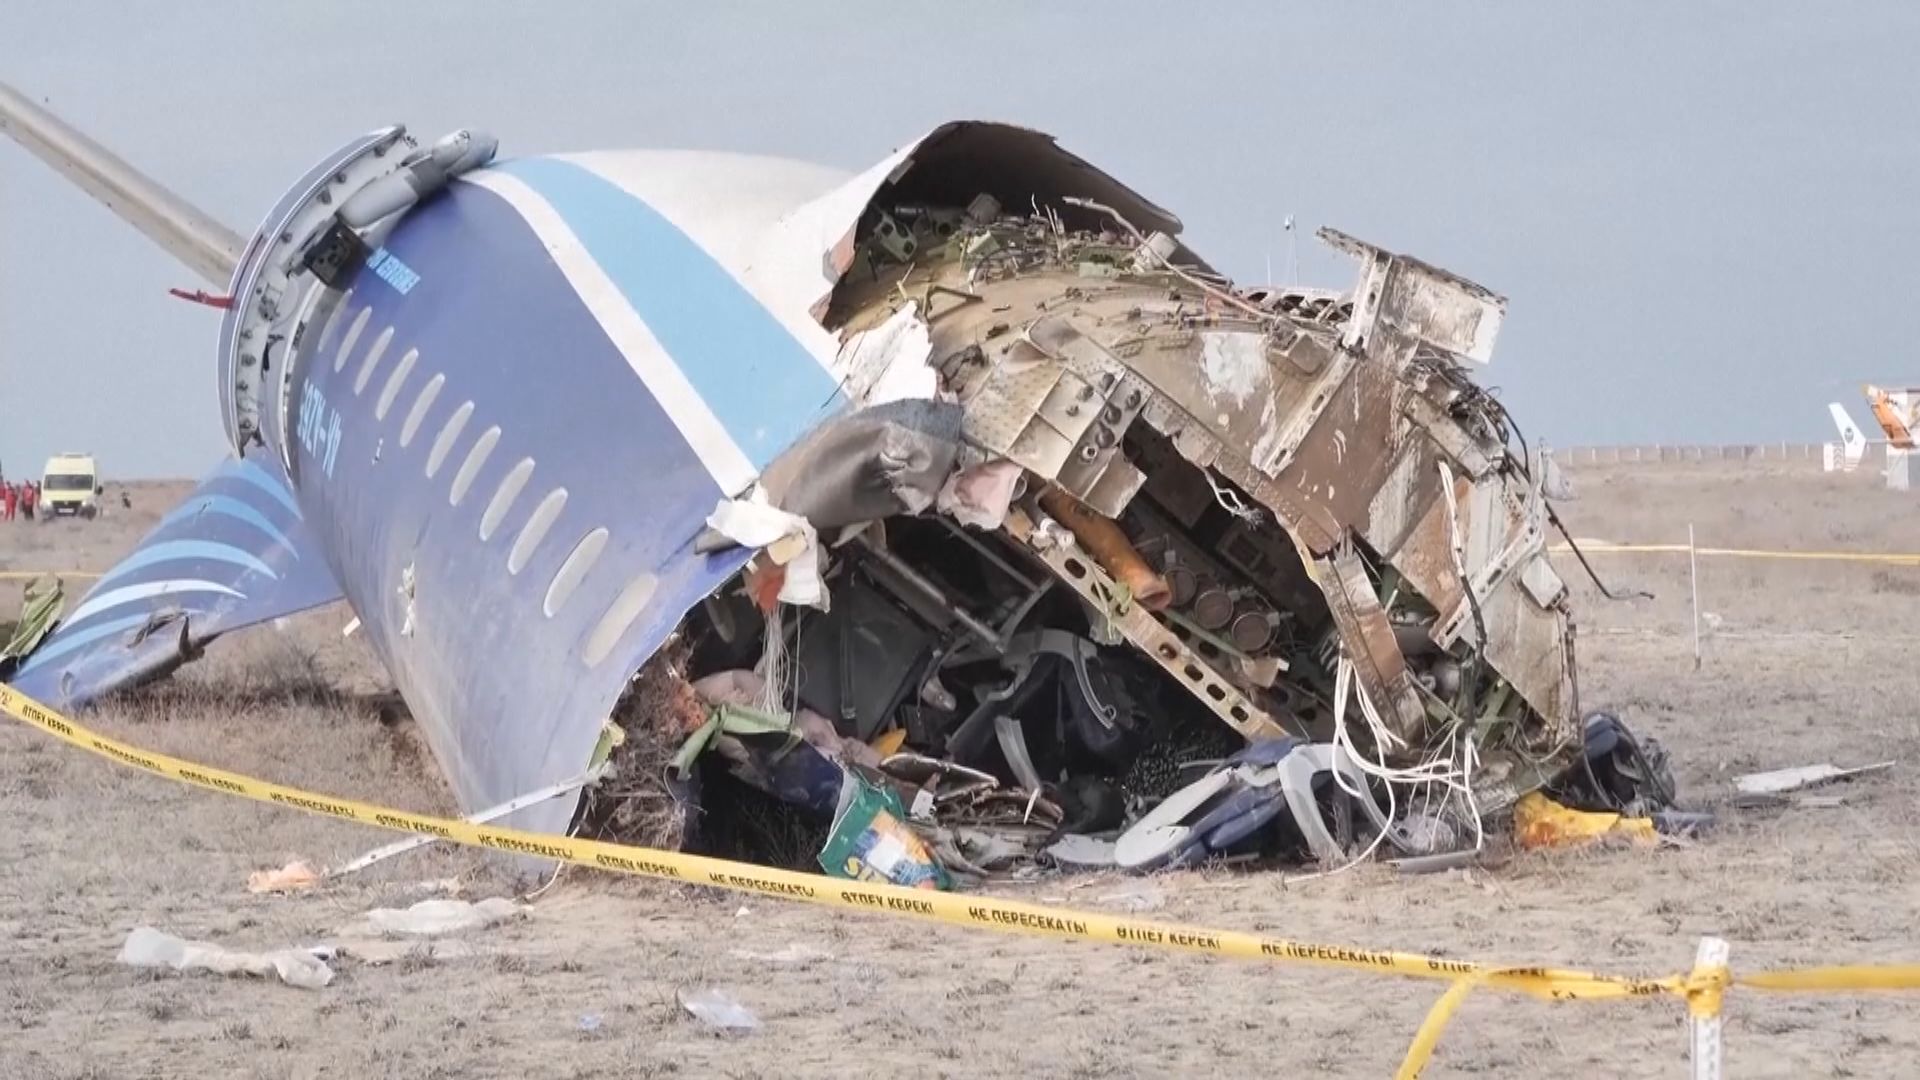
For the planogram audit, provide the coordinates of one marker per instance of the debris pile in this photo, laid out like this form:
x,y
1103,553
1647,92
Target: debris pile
x,y
1116,564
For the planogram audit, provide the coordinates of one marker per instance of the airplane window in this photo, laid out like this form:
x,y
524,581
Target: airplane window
x,y
535,530
568,577
353,333
332,327
503,497
420,406
470,468
400,373
372,361
620,615
449,434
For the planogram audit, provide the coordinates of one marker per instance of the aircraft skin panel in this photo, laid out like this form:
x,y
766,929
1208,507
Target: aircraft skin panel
x,y
504,692
764,386
234,554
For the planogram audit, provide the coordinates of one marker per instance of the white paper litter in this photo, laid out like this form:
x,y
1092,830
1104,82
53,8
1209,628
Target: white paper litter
x,y
791,954
1781,781
431,917
148,948
717,1009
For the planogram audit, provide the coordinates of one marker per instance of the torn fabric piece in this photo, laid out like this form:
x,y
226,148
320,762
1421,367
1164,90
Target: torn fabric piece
x,y
862,466
979,497
147,947
788,539
747,688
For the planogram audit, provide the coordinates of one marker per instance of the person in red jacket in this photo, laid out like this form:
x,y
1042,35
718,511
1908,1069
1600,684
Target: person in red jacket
x,y
30,498
9,500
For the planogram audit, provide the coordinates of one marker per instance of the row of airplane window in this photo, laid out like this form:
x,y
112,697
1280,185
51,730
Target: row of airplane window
x,y
632,600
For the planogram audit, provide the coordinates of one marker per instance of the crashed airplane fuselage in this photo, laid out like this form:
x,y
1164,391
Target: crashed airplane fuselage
x,y
1039,482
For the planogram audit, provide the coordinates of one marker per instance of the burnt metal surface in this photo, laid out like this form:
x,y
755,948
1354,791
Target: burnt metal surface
x,y
1340,429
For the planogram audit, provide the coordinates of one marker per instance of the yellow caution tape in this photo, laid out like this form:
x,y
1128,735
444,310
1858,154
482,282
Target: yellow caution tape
x,y
952,908
1438,1017
1880,557
1700,988
1842,977
34,575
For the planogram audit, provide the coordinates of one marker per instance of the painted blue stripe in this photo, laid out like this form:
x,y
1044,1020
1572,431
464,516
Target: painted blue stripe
x,y
764,386
168,550
252,473
230,507
60,645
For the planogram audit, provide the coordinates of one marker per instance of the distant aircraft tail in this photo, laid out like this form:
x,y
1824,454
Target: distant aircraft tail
x,y
1894,411
1853,441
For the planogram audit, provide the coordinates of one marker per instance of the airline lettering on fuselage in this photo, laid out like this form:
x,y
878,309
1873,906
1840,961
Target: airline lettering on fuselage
x,y
319,430
388,268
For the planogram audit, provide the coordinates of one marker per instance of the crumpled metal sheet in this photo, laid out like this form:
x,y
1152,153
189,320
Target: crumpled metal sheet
x,y
883,460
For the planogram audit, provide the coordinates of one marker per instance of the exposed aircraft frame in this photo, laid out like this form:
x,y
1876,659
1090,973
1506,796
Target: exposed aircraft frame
x,y
981,339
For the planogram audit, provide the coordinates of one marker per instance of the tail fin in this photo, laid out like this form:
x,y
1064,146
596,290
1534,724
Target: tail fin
x,y
183,230
1853,442
234,554
1888,407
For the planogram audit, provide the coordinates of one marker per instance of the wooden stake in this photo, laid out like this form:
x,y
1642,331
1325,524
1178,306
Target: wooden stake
x,y
1693,577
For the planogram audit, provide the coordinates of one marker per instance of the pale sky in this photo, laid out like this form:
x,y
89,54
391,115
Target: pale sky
x,y
1704,215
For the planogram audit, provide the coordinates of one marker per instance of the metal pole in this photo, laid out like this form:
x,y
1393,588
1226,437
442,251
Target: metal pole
x,y
1703,1013
1693,581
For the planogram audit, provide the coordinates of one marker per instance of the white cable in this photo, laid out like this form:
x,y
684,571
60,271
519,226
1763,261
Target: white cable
x,y
773,668
1231,501
1454,777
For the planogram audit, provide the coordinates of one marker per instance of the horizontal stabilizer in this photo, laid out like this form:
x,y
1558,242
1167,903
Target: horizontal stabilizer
x,y
183,230
234,554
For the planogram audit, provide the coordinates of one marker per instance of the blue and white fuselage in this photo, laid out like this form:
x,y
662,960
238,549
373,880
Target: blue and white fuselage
x,y
500,439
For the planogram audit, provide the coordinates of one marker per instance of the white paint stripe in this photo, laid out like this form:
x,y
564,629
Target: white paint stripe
x,y
116,597
728,206
725,462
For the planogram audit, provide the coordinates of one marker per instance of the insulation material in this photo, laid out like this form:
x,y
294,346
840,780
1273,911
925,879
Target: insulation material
x,y
787,539
883,460
890,361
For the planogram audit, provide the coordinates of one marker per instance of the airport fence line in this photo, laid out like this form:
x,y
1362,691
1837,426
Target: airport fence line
x,y
1604,547
1703,988
1653,453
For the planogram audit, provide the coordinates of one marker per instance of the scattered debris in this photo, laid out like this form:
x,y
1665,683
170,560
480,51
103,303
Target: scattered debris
x,y
718,1010
1539,822
871,841
430,918
1135,899
296,876
1074,851
378,952
492,813
41,604
1783,781
790,954
149,948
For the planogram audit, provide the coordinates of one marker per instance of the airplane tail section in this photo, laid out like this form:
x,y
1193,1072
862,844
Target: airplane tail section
x,y
1853,441
1894,411
236,553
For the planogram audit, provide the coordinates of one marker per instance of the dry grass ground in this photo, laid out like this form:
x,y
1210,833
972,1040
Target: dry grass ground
x,y
1807,662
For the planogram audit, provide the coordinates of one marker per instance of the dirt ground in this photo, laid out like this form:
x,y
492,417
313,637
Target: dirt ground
x,y
1803,662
